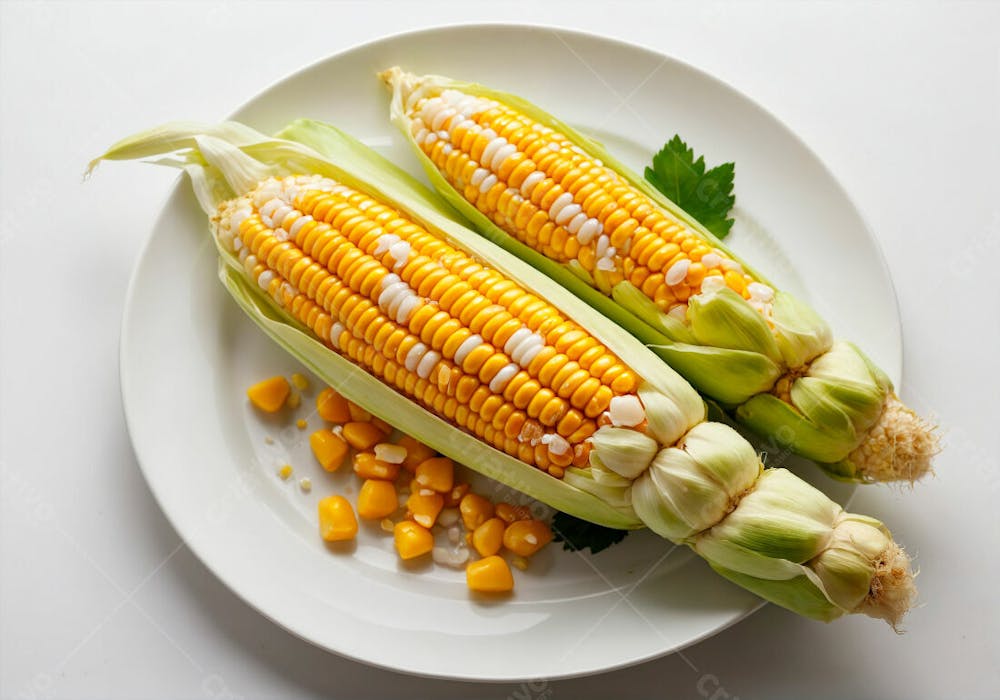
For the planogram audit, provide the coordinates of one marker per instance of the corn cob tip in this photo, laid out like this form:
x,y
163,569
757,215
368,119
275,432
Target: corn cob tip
x,y
899,447
892,591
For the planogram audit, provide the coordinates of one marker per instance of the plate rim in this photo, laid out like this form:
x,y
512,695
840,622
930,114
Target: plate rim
x,y
177,188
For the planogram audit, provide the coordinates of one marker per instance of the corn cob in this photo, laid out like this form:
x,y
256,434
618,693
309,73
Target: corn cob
x,y
357,272
555,198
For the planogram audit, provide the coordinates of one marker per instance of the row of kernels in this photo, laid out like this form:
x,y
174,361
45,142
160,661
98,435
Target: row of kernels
x,y
560,173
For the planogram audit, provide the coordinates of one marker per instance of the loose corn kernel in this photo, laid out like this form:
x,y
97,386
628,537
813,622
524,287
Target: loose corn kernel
x,y
382,425
294,399
476,510
358,414
306,484
387,524
269,395
332,407
488,537
285,472
368,467
509,513
436,473
525,537
416,452
412,540
336,519
387,452
489,575
424,509
300,381
520,563
377,499
301,424
362,436
455,496
329,449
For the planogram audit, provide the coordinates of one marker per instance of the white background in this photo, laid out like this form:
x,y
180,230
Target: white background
x,y
98,598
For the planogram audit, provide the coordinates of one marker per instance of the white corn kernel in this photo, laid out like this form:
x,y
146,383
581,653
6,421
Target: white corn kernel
x,y
392,454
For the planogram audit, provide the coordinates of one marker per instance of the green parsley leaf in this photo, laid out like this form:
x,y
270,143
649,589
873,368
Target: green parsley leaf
x,y
576,534
707,196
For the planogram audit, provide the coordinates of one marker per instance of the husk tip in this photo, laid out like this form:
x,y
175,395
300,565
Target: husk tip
x,y
892,591
899,447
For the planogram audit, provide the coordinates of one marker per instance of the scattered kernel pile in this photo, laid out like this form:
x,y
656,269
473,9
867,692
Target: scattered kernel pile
x,y
410,490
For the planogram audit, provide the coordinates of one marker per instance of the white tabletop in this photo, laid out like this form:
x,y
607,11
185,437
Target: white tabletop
x,y
99,598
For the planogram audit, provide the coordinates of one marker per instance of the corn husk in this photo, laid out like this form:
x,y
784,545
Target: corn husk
x,y
790,544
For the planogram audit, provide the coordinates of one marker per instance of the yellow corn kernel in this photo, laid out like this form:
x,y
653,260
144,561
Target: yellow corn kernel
x,y
489,575
735,281
332,407
301,424
412,540
525,537
377,499
488,537
358,414
437,474
336,519
416,452
300,381
387,525
285,472
424,509
362,436
455,495
520,563
509,513
294,400
476,510
368,467
328,448
269,395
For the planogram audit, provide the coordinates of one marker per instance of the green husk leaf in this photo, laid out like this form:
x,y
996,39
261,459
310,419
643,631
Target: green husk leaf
x,y
666,419
632,299
808,396
799,594
729,376
801,334
845,565
691,487
599,481
783,517
725,320
624,451
766,414
577,269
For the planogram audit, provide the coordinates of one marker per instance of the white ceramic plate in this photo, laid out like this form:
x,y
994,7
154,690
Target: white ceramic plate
x,y
187,355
